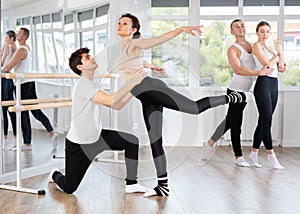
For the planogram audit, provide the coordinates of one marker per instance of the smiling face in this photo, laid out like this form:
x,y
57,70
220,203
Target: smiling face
x,y
124,28
263,33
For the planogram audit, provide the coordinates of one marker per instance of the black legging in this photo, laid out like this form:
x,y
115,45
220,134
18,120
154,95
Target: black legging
x,y
80,156
233,121
266,95
154,94
7,94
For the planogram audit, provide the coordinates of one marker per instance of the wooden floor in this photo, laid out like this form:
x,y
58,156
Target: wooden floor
x,y
218,186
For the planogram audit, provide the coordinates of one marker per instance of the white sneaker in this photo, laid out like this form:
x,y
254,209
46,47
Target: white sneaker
x,y
272,158
50,179
240,161
207,151
254,158
4,144
54,140
13,148
136,188
23,148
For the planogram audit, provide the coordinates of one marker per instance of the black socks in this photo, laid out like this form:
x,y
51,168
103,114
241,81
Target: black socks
x,y
162,188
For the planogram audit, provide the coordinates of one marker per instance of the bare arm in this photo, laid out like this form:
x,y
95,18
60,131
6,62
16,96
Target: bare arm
x,y
154,68
18,56
155,41
278,47
119,98
257,50
5,52
234,61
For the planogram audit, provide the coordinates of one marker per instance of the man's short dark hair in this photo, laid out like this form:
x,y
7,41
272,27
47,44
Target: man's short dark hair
x,y
234,21
26,32
75,59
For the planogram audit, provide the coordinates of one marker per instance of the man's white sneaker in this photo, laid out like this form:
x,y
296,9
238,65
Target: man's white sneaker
x,y
23,148
54,140
240,161
207,151
50,179
135,188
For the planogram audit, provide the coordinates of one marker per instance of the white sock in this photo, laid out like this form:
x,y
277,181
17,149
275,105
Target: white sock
x,y
254,158
4,143
275,163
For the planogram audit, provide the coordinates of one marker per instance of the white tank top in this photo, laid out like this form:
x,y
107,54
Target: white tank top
x,y
24,65
240,82
8,58
269,54
125,63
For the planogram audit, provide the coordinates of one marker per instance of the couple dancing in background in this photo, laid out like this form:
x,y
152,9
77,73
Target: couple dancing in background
x,y
244,57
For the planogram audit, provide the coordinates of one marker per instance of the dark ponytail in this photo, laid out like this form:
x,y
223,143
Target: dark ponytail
x,y
135,24
11,34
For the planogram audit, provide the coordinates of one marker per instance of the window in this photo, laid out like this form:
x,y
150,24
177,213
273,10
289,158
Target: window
x,y
172,55
292,52
85,19
216,7
291,7
56,20
214,68
263,7
101,15
47,48
69,22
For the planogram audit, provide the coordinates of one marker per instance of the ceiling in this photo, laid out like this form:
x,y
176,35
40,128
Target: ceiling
x,y
9,4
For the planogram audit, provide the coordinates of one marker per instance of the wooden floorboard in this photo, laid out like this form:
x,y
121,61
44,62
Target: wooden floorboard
x,y
218,186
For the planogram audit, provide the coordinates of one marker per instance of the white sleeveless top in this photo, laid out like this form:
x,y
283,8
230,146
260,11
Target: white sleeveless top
x,y
24,65
240,82
125,63
269,54
8,58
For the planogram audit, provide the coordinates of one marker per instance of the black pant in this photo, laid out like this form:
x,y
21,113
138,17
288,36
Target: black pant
x,y
7,94
28,92
233,121
154,94
266,96
80,156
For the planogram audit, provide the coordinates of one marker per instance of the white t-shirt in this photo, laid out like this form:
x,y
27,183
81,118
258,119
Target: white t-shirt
x,y
86,123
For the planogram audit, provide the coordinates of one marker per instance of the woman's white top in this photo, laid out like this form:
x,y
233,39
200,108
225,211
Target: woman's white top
x,y
240,82
8,57
269,54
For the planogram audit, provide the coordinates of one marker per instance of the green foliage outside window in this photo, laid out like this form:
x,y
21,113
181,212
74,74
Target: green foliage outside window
x,y
213,55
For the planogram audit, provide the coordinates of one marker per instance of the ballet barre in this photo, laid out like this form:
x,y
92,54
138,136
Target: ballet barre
x,y
26,105
37,101
51,76
39,106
